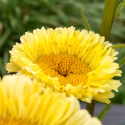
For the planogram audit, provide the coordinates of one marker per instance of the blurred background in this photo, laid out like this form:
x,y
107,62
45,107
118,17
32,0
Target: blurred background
x,y
17,17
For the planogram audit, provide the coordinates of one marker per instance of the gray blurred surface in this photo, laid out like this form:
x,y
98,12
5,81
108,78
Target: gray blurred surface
x,y
116,115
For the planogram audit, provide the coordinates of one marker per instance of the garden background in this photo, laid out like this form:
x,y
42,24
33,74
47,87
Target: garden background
x,y
17,17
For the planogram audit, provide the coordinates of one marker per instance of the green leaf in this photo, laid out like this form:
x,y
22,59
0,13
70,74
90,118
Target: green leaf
x,y
104,111
2,68
62,15
120,8
1,28
6,57
118,46
17,11
85,22
4,37
122,62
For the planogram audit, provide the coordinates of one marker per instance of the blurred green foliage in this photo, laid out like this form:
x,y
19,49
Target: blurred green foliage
x,y
17,17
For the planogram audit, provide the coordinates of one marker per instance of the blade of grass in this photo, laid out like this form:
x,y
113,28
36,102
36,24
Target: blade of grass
x,y
2,68
122,62
118,46
85,22
1,28
120,8
4,37
104,111
6,57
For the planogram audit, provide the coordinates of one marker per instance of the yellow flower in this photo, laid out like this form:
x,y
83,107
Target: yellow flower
x,y
70,61
25,102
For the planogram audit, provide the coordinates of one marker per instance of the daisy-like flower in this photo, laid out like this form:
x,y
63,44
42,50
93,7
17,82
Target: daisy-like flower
x,y
70,61
25,102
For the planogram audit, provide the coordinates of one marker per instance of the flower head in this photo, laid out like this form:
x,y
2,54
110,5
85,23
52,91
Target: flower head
x,y
70,61
25,102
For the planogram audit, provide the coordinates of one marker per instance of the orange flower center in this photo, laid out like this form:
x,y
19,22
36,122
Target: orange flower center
x,y
9,121
69,69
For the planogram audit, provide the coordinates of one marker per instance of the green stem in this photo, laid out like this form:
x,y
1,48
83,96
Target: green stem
x,y
108,18
90,107
106,25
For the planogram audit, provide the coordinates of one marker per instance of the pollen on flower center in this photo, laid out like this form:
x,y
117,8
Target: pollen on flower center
x,y
69,69
9,121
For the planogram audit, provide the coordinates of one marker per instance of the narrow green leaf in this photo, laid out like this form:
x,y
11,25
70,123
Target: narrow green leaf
x,y
2,68
104,111
6,57
4,37
62,15
122,62
48,3
118,46
120,8
1,28
17,11
85,22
